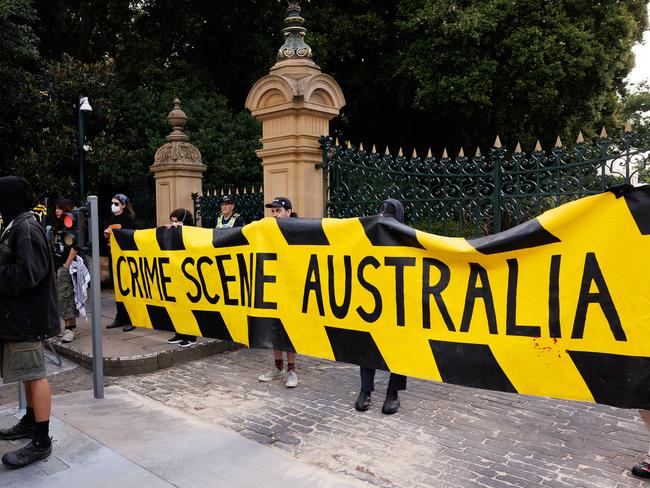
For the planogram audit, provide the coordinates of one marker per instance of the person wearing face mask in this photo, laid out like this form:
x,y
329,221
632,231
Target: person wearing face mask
x,y
390,208
28,315
122,218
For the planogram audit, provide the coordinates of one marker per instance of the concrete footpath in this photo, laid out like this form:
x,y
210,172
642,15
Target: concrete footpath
x,y
136,352
126,440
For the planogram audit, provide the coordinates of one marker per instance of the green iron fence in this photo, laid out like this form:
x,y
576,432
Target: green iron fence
x,y
248,202
479,195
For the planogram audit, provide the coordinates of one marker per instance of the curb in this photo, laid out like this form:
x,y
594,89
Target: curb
x,y
146,363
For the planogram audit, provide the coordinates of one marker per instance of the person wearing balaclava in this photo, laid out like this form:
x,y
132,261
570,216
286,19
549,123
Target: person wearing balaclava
x,y
390,208
28,301
122,218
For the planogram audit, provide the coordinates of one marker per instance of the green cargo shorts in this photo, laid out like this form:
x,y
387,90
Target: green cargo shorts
x,y
22,361
67,308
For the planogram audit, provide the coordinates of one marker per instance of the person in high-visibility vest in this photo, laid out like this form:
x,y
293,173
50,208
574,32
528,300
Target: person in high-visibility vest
x,y
228,218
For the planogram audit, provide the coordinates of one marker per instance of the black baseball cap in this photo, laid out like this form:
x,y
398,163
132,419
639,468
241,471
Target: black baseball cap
x,y
227,199
278,202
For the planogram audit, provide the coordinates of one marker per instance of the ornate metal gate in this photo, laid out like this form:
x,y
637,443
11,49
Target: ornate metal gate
x,y
473,196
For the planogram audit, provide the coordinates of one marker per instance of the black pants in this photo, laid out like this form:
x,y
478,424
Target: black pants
x,y
396,382
121,316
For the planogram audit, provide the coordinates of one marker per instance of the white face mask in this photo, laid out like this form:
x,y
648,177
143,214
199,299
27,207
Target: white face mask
x,y
115,208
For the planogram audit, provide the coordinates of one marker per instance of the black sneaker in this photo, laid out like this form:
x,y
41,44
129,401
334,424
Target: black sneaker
x,y
26,455
642,470
175,340
22,430
128,328
187,342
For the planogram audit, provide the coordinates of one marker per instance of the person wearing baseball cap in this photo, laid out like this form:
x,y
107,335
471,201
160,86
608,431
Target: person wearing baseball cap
x,y
228,218
281,208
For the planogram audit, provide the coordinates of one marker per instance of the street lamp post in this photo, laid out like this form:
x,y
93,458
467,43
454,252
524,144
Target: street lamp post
x,y
84,107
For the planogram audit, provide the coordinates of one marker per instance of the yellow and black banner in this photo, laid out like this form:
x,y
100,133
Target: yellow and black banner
x,y
558,306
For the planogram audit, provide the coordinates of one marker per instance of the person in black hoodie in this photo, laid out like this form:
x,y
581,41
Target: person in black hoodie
x,y
390,208
28,315
122,218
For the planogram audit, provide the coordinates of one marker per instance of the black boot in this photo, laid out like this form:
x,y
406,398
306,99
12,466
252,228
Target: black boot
x,y
363,401
391,404
115,324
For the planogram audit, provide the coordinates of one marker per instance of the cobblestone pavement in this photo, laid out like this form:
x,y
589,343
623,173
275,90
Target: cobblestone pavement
x,y
443,435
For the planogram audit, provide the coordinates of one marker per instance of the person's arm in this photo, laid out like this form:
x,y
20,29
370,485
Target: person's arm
x,y
32,264
71,255
239,222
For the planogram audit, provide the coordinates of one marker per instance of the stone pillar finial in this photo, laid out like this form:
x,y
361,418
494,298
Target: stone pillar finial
x,y
177,120
177,168
294,46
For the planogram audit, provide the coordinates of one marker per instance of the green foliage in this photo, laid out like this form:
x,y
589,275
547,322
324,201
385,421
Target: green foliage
x,y
525,69
415,73
124,130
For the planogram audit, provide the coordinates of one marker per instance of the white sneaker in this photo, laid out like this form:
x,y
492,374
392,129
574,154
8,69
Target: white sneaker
x,y
271,375
291,380
68,335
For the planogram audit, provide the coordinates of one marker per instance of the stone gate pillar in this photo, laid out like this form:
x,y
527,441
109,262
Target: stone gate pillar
x,y
294,103
177,168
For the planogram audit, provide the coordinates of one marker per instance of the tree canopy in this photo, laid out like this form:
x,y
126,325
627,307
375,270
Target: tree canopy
x,y
415,73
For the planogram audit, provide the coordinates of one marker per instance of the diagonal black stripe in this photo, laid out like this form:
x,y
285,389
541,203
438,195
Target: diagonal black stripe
x,y
125,239
229,237
470,365
526,235
307,232
613,379
638,201
383,231
268,333
170,239
212,325
160,319
356,347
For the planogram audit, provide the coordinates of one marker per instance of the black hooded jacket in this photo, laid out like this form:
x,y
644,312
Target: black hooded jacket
x,y
28,303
